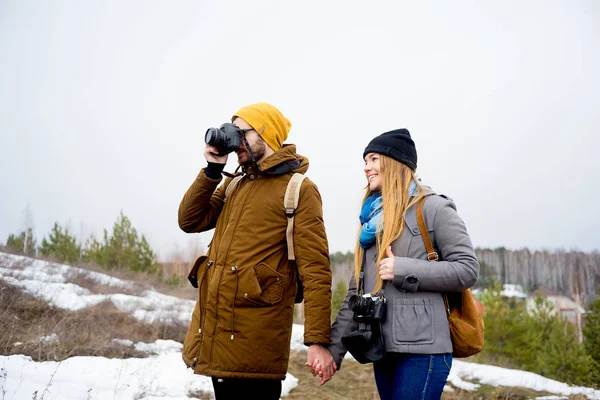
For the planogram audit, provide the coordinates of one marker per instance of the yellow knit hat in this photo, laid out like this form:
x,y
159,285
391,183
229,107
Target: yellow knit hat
x,y
268,121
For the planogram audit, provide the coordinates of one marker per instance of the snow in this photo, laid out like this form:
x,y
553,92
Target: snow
x,y
52,338
513,290
163,375
497,376
160,377
508,290
49,281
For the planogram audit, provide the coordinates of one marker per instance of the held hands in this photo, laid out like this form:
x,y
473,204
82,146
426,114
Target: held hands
x,y
321,363
212,155
386,266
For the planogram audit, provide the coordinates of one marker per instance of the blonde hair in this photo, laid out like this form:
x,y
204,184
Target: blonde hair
x,y
395,186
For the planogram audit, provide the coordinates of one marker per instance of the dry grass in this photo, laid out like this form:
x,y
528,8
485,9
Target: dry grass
x,y
353,381
180,288
87,332
183,291
515,393
81,278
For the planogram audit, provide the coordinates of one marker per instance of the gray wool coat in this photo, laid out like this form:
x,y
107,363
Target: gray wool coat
x,y
416,320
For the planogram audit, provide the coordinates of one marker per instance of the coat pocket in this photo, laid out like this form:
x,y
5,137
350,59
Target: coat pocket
x,y
193,275
271,283
259,285
413,321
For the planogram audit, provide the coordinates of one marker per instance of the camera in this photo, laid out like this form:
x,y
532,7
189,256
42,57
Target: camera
x,y
367,308
226,138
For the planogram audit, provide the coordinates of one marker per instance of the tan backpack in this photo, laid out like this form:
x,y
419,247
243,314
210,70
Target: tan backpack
x,y
290,204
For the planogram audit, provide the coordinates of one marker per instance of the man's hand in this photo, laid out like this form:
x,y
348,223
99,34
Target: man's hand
x,y
321,363
212,155
386,266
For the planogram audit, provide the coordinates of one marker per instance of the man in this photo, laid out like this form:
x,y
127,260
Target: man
x,y
241,327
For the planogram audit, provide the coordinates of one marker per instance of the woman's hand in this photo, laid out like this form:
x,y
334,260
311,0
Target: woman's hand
x,y
386,266
321,363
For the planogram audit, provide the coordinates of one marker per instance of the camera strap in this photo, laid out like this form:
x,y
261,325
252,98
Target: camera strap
x,y
235,174
361,277
249,149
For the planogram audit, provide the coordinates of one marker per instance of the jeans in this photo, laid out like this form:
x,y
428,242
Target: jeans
x,y
412,376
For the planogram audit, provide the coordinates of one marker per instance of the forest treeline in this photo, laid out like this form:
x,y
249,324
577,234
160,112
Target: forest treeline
x,y
569,273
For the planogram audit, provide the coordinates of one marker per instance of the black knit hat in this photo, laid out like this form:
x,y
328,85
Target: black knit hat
x,y
396,144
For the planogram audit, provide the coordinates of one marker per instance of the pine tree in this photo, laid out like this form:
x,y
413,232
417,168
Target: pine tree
x,y
94,251
562,357
508,335
535,339
123,249
61,245
23,243
337,297
339,257
591,336
559,355
146,258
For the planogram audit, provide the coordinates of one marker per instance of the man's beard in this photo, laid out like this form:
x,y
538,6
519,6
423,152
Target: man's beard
x,y
258,151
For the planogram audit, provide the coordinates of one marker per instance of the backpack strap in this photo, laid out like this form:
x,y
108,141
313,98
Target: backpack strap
x,y
432,255
290,203
231,186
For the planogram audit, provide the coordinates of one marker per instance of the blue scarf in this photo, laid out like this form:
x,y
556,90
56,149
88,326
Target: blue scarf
x,y
370,214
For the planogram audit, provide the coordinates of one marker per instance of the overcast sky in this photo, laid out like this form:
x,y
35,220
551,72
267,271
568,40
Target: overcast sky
x,y
104,105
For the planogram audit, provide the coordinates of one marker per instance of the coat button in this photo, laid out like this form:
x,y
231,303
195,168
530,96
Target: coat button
x,y
415,230
412,279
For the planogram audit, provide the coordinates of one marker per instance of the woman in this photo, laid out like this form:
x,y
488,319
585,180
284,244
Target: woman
x,y
390,249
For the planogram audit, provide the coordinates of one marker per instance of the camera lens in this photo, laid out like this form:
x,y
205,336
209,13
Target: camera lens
x,y
359,304
353,301
226,138
212,137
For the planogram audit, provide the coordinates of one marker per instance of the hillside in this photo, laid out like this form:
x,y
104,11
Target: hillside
x,y
70,333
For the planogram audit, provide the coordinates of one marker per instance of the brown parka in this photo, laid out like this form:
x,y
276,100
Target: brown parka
x,y
242,324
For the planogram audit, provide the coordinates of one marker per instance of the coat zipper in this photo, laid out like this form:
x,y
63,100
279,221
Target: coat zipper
x,y
234,270
212,343
208,265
